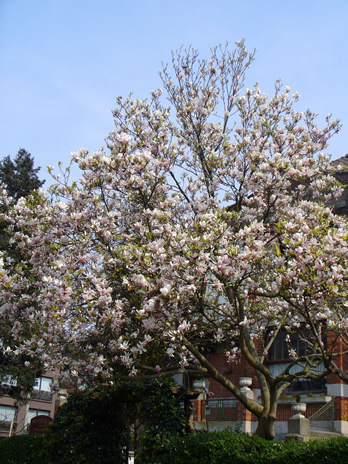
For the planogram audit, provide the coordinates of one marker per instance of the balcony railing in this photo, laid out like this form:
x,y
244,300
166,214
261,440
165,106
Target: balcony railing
x,y
324,417
41,395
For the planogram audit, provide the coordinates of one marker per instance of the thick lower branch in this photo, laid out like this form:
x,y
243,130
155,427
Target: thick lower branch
x,y
254,407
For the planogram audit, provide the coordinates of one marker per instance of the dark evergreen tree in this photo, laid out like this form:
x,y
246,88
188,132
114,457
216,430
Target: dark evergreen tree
x,y
20,179
19,176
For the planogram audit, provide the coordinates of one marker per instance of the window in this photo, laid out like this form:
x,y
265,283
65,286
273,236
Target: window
x,y
9,380
7,415
42,389
279,351
300,385
279,357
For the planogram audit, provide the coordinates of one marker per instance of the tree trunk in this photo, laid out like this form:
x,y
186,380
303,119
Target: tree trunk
x,y
265,427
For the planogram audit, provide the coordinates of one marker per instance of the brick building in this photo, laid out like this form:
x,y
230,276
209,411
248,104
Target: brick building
x,y
217,408
341,205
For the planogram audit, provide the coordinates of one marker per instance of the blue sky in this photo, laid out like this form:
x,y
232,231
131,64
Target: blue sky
x,y
64,62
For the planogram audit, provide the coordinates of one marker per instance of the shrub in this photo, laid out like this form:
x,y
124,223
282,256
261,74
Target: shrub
x,y
333,451
90,428
162,417
218,447
22,449
199,448
214,448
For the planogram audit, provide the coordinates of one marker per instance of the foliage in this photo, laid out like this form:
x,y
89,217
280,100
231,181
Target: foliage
x,y
19,176
206,227
20,179
162,417
319,451
18,371
95,426
90,428
22,449
217,447
200,448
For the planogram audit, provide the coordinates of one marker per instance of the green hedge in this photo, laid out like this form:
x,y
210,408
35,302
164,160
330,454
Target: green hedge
x,y
229,448
22,449
333,451
200,448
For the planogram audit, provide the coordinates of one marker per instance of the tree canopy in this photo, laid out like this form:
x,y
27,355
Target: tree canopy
x,y
19,176
201,223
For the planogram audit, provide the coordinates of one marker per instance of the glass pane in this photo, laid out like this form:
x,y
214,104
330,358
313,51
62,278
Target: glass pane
x,y
277,369
271,353
278,349
7,413
302,348
32,413
36,412
46,384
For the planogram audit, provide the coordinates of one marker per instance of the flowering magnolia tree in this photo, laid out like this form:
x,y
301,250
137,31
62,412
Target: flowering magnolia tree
x,y
202,223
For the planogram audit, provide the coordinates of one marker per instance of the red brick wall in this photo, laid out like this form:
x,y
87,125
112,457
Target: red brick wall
x,y
341,361
284,411
341,408
231,371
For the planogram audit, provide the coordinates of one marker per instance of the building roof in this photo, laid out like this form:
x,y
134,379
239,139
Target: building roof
x,y
343,161
341,203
